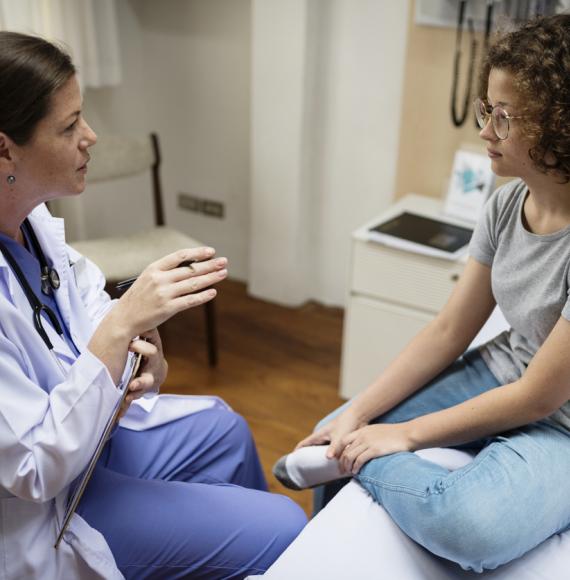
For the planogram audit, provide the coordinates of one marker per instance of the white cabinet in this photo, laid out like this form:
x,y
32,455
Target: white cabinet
x,y
392,295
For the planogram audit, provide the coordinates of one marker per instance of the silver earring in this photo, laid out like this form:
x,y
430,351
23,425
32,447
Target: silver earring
x,y
11,179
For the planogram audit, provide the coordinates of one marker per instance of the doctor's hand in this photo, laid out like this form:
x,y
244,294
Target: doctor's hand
x,y
165,288
153,370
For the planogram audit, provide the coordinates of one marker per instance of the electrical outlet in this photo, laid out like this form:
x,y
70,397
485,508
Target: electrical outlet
x,y
189,202
207,207
213,208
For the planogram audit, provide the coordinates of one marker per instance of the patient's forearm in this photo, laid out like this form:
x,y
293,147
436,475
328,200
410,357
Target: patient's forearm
x,y
494,411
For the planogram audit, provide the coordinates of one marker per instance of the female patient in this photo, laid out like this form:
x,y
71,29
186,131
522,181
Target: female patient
x,y
507,400
178,494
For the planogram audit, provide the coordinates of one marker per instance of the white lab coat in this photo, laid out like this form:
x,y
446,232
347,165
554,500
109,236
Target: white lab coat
x,y
50,424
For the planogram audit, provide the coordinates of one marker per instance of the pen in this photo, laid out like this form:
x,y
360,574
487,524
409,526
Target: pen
x,y
126,284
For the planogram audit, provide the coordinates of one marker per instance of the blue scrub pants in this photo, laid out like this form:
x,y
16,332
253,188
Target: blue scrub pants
x,y
512,497
188,499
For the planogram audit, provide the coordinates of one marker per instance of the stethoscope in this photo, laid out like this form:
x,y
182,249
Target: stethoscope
x,y
49,276
49,282
457,117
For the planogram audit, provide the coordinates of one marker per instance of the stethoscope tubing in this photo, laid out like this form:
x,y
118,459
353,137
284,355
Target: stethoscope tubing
x,y
458,118
37,306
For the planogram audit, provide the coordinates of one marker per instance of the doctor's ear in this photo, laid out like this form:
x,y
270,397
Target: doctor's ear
x,y
5,145
6,157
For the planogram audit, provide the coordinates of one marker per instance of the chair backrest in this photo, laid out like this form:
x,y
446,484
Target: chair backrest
x,y
117,156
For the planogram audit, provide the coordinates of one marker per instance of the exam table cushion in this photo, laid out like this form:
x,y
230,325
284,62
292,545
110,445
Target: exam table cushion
x,y
353,537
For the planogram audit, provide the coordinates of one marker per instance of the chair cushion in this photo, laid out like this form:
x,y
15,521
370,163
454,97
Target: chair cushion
x,y
124,257
353,537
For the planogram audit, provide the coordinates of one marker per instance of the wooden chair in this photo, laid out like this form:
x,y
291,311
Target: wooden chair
x,y
121,257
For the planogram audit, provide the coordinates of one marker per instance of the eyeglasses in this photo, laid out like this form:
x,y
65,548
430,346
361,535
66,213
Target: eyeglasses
x,y
499,118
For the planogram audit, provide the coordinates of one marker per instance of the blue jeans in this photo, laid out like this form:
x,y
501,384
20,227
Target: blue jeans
x,y
189,499
513,496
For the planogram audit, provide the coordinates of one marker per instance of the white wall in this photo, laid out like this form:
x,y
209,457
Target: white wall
x,y
186,66
315,158
282,130
327,89
362,60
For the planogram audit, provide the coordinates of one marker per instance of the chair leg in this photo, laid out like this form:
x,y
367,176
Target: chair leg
x,y
211,337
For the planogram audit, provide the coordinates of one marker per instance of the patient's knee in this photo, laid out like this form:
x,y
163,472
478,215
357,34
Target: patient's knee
x,y
470,538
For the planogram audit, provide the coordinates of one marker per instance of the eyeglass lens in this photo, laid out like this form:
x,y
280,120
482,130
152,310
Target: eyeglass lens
x,y
499,118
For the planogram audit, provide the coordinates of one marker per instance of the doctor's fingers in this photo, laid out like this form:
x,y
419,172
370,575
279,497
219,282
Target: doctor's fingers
x,y
142,384
198,283
147,313
171,261
153,337
143,347
190,301
196,269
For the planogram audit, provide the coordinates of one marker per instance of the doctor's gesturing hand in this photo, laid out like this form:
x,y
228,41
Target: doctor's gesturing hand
x,y
165,288
162,290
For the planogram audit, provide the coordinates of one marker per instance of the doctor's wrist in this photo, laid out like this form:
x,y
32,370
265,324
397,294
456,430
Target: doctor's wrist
x,y
118,327
110,344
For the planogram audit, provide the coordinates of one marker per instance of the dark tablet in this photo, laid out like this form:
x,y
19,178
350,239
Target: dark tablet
x,y
425,231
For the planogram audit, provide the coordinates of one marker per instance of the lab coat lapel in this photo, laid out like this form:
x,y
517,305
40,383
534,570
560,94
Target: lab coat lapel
x,y
11,290
51,236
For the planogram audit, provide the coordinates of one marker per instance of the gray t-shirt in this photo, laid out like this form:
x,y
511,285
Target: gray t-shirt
x,y
530,282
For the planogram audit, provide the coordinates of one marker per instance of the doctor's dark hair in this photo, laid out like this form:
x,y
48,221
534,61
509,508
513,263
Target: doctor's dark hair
x,y
31,71
537,55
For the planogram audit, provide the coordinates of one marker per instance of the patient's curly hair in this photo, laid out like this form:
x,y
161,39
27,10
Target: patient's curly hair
x,y
538,56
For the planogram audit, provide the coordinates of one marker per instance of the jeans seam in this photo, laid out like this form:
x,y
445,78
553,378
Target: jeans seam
x,y
418,493
393,487
464,471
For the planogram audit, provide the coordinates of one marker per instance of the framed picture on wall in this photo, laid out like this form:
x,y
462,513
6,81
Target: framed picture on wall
x,y
471,183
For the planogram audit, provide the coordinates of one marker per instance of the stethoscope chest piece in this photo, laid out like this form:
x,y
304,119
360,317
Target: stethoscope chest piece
x,y
50,280
49,276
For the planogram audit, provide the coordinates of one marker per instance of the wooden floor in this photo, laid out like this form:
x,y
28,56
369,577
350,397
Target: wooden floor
x,y
278,367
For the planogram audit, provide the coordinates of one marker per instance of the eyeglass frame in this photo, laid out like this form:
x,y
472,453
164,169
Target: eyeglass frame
x,y
488,115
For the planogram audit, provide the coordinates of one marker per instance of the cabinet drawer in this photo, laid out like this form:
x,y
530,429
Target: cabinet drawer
x,y
403,277
374,334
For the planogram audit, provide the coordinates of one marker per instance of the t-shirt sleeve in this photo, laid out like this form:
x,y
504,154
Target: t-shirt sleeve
x,y
566,309
483,244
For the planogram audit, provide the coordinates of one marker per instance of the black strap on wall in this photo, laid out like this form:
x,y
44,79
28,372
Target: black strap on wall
x,y
458,118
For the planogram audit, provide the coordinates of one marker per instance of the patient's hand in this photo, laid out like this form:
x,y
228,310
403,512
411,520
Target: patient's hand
x,y
333,433
373,441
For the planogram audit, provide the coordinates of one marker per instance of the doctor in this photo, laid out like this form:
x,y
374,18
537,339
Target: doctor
x,y
178,491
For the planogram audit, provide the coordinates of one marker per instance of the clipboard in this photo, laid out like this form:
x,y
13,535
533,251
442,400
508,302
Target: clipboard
x,y
80,488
